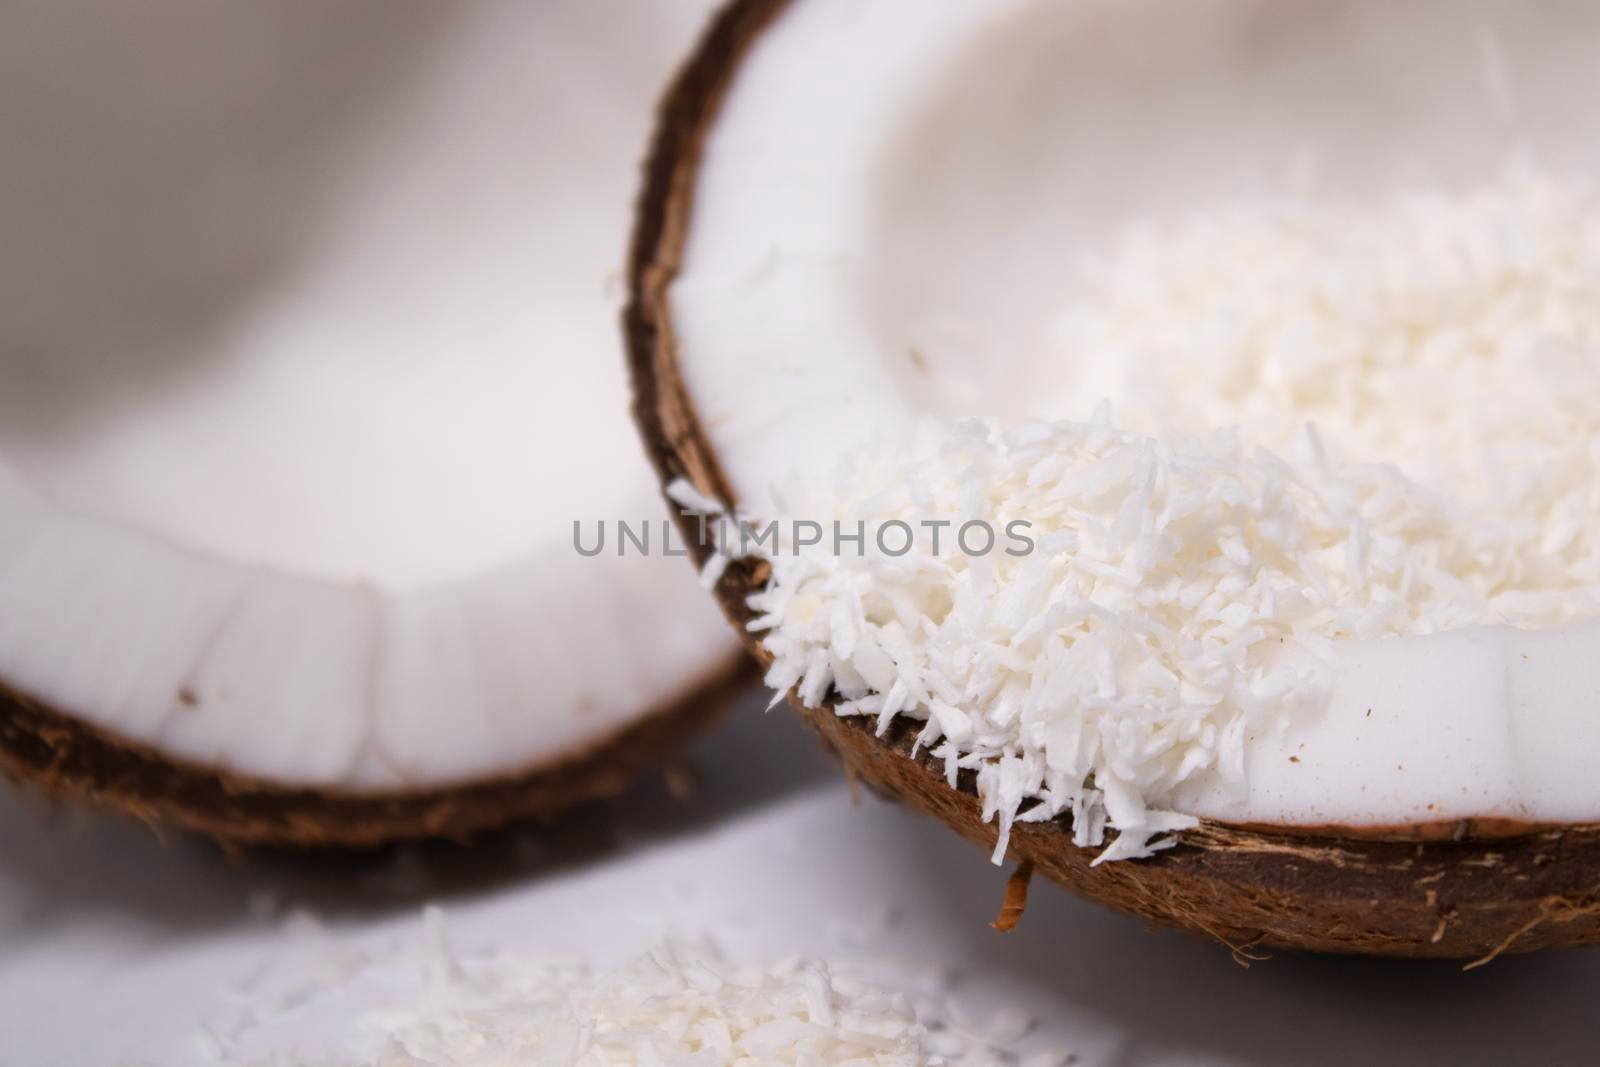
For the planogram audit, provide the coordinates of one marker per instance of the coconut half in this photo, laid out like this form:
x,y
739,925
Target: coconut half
x,y
852,217
308,367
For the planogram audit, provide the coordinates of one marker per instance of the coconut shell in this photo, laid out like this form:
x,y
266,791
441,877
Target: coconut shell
x,y
64,757
1462,890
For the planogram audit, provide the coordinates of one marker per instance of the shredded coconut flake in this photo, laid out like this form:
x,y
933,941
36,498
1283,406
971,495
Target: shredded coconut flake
x,y
1413,403
682,1004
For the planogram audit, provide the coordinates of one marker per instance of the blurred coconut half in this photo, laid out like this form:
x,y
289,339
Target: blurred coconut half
x,y
308,366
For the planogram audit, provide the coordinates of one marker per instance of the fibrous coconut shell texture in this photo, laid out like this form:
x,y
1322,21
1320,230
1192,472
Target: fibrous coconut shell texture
x,y
71,760
1465,891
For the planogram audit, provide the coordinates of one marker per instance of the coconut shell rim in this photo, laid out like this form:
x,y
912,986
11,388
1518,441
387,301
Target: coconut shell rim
x,y
63,757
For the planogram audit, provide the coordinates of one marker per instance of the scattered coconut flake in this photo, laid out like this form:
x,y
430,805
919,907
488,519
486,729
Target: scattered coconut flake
x,y
692,500
681,1003
1413,403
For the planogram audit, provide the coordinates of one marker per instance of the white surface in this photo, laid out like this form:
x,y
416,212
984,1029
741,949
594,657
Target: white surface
x,y
115,948
901,236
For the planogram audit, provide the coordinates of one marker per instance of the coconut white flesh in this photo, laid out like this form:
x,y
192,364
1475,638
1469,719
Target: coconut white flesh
x,y
892,239
311,362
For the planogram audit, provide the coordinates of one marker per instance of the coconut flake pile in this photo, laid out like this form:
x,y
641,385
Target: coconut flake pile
x,y
678,1004
682,1004
1456,335
1355,426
